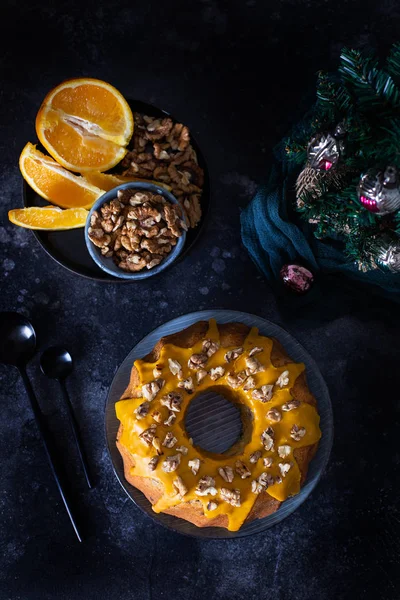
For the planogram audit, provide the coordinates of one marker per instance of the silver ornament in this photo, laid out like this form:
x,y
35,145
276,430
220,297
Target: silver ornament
x,y
379,192
325,149
387,253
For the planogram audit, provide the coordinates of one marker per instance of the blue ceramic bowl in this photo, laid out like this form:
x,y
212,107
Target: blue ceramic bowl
x,y
107,264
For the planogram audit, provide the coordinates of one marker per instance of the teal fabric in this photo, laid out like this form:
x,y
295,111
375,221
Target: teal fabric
x,y
273,237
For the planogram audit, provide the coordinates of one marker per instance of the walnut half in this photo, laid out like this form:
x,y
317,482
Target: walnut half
x,y
226,473
171,463
297,433
217,373
284,451
263,394
253,365
231,496
194,465
232,355
241,469
235,380
283,379
180,487
175,367
210,347
284,468
197,361
150,390
172,400
142,410
267,440
274,415
169,440
291,405
187,384
206,486
255,456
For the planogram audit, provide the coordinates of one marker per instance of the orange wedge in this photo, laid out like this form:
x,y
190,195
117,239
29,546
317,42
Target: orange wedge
x,y
48,218
54,183
108,182
85,125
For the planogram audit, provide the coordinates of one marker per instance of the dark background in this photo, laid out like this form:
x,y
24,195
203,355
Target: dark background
x,y
237,73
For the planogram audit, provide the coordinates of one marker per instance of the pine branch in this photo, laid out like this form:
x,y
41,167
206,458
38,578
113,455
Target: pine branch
x,y
370,85
294,151
357,248
390,144
393,62
332,96
396,220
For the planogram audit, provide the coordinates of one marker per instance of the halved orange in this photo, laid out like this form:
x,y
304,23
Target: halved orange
x,y
85,124
54,183
108,182
48,218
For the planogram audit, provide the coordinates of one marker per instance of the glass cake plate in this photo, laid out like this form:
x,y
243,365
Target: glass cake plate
x,y
223,426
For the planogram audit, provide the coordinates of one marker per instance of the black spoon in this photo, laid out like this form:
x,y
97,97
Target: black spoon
x,y
56,363
17,346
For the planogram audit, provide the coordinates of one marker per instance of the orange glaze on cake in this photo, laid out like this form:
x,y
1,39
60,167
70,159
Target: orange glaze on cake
x,y
304,416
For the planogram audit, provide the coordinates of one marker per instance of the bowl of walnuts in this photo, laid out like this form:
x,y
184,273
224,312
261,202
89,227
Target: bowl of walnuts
x,y
135,230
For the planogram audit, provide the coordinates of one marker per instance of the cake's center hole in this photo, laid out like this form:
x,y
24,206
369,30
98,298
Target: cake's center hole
x,y
213,422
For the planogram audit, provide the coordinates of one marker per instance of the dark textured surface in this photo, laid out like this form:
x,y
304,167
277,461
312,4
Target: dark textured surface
x,y
206,62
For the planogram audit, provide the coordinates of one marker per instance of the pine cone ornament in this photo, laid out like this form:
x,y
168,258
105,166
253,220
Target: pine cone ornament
x,y
379,191
322,171
315,183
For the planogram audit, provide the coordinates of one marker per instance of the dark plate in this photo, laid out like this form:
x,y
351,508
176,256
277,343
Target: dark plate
x,y
204,430
68,248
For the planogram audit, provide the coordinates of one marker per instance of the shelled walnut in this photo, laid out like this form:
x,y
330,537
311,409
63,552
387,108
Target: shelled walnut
x,y
162,151
230,496
137,229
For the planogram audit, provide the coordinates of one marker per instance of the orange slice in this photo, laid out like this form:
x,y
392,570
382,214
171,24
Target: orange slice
x,y
54,183
108,182
48,218
85,124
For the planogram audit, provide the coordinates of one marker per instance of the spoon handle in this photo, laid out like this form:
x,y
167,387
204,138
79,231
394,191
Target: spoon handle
x,y
75,431
50,449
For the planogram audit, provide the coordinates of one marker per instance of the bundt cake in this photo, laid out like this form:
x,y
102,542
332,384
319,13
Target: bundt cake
x,y
279,436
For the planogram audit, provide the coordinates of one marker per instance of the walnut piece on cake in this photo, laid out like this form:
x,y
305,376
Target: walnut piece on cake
x,y
226,473
206,486
241,469
291,405
230,496
235,380
210,347
197,361
253,365
194,465
264,393
216,373
172,400
232,355
171,463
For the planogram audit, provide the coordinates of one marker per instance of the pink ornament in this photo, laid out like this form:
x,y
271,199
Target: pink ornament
x,y
296,278
327,165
